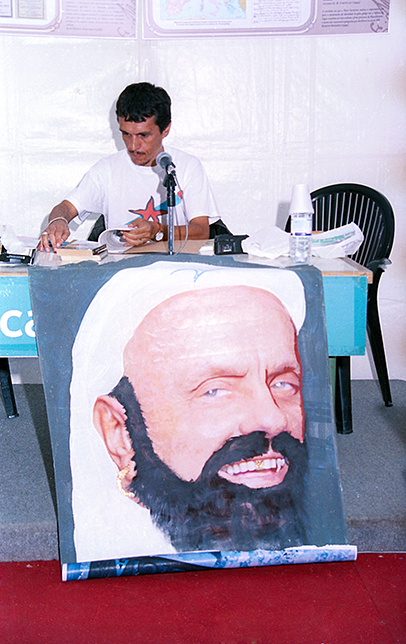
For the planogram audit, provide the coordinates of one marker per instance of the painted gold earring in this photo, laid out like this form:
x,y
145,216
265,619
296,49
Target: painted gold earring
x,y
119,481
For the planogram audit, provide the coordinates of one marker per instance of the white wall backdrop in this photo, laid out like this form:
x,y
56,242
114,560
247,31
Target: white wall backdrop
x,y
261,113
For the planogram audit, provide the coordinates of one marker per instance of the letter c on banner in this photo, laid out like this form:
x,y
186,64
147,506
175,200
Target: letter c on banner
x,y
4,324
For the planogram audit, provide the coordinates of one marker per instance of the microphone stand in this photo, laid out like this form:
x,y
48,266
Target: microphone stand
x,y
170,185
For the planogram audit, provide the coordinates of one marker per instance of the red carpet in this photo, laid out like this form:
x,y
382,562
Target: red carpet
x,y
335,603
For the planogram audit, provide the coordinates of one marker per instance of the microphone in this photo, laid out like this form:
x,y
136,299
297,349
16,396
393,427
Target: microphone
x,y
164,159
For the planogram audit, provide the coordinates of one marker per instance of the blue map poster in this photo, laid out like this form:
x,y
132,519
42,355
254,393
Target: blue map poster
x,y
188,18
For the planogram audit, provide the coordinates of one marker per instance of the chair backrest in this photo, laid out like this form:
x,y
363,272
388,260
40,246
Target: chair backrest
x,y
343,203
97,229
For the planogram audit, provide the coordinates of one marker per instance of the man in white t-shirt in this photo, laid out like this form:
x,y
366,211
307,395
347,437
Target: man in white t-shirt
x,y
128,186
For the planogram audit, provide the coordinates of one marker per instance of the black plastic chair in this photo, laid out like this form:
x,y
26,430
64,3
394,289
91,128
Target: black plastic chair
x,y
6,386
97,228
335,206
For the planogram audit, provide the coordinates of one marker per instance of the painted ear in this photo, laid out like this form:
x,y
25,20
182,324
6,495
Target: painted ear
x,y
109,418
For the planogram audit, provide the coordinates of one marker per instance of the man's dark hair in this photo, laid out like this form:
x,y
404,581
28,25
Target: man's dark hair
x,y
140,101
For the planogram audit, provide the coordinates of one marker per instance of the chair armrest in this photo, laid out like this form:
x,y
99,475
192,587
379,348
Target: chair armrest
x,y
379,263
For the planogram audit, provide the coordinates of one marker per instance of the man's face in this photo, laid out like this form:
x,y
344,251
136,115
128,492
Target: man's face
x,y
143,140
213,365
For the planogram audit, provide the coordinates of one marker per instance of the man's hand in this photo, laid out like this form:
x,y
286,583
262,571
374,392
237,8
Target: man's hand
x,y
142,232
57,230
54,235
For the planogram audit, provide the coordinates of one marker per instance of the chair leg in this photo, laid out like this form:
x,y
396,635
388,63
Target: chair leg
x,y
343,405
7,389
378,350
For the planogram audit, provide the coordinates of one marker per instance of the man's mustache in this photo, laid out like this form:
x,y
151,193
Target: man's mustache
x,y
238,448
244,448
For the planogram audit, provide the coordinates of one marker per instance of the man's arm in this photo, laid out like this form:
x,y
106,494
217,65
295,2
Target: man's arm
x,y
143,231
57,230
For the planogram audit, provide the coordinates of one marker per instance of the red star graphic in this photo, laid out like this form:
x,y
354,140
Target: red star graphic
x,y
149,212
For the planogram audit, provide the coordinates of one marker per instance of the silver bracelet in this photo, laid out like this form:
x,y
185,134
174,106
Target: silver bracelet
x,y
56,218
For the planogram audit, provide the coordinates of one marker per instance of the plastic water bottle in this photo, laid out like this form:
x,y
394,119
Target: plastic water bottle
x,y
301,222
300,246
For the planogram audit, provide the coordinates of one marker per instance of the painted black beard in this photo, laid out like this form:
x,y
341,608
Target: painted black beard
x,y
212,513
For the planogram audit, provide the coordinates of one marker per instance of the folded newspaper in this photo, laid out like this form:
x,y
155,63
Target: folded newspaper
x,y
272,242
338,242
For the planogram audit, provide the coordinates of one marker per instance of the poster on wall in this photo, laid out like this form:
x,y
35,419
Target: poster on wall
x,y
86,18
197,18
190,414
193,18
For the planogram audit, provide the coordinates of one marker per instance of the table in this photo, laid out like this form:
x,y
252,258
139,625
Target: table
x,y
345,285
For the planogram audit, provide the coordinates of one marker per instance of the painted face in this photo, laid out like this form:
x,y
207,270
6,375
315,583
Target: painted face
x,y
143,140
212,365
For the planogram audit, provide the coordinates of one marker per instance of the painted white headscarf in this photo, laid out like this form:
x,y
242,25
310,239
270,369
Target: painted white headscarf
x,y
107,524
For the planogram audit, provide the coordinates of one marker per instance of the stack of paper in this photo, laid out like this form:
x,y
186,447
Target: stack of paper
x,y
81,251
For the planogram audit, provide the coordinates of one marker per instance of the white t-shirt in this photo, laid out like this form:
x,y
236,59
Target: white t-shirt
x,y
121,190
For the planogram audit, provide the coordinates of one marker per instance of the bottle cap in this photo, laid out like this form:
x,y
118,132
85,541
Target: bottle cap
x,y
301,200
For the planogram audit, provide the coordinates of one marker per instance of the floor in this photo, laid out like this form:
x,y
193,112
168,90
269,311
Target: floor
x,y
334,603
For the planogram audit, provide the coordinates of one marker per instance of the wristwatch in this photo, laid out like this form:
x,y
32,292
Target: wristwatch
x,y
159,235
